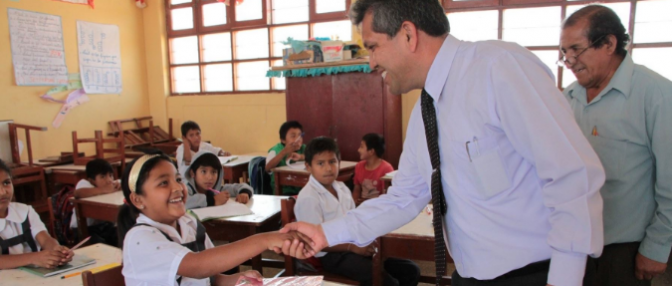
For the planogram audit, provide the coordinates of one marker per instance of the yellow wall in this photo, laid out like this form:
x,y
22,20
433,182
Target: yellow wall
x,y
22,103
239,123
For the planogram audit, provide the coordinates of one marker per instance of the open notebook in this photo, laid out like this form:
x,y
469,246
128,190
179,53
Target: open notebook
x,y
288,281
78,261
229,209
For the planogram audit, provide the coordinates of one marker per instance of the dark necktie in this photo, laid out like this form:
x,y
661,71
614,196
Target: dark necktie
x,y
438,199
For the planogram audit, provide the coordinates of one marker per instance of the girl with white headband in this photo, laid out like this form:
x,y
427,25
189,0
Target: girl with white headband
x,y
162,245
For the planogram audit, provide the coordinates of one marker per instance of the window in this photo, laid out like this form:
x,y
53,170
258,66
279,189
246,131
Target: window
x,y
215,48
536,24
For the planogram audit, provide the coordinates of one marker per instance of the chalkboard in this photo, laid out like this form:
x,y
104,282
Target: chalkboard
x,y
37,47
99,57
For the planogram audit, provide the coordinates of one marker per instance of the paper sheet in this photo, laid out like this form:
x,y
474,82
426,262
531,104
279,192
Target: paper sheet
x,y
288,281
300,165
230,209
73,83
227,159
38,53
99,58
83,2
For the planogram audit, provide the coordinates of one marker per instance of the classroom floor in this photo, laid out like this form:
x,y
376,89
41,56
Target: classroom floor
x,y
428,267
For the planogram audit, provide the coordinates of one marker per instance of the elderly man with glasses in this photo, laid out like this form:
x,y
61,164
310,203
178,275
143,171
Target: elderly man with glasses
x,y
625,111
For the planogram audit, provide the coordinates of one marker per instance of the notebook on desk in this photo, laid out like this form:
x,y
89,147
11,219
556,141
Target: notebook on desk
x,y
78,261
227,159
288,281
230,209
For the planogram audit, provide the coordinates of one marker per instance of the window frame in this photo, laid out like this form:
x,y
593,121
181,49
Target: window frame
x,y
232,27
451,6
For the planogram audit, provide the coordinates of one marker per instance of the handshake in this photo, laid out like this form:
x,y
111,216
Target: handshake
x,y
301,240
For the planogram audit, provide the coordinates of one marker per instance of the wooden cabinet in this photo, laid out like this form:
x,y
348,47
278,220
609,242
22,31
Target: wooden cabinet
x,y
346,107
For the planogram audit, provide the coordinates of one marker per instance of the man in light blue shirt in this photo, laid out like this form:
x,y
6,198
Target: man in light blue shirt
x,y
520,181
625,111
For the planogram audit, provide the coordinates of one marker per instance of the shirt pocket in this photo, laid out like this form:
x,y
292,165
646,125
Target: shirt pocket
x,y
611,152
483,165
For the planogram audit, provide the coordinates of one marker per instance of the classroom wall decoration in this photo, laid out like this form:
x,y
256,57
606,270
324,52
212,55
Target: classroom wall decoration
x,y
38,53
99,58
83,2
140,3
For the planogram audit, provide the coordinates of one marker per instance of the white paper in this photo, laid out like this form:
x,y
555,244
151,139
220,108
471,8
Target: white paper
x,y
288,281
230,209
227,159
300,165
99,57
38,52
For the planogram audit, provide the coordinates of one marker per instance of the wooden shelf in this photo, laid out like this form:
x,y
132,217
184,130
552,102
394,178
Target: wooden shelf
x,y
364,61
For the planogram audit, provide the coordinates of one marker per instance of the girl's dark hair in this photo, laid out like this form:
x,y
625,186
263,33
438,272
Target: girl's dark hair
x,y
128,213
3,167
376,142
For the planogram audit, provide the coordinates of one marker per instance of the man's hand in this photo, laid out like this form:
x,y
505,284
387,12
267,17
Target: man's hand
x,y
647,269
312,232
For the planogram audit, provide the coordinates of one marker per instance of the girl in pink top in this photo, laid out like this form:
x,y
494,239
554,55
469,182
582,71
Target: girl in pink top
x,y
372,167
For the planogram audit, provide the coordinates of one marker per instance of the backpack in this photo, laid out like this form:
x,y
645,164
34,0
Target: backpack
x,y
260,180
63,207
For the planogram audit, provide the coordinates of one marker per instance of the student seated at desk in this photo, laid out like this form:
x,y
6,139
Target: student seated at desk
x,y
192,144
204,183
163,245
23,237
290,147
324,199
368,172
99,181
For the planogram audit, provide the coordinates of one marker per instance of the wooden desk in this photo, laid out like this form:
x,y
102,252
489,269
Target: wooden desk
x,y
237,169
103,254
414,241
387,180
103,207
70,174
288,176
265,218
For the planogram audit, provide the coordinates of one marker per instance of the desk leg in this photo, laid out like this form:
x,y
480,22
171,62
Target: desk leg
x,y
277,184
378,265
256,261
81,223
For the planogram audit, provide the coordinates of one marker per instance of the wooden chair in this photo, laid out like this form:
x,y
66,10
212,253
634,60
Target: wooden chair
x,y
161,140
118,152
27,173
287,216
109,277
133,136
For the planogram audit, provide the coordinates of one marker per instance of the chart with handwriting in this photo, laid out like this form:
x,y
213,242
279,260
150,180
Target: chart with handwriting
x,y
99,57
38,52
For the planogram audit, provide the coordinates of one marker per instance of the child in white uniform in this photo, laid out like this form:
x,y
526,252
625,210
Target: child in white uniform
x,y
162,245
23,238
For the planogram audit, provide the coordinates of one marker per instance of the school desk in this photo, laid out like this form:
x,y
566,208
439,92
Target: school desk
x,y
414,241
387,180
298,177
70,174
237,169
265,218
102,207
103,254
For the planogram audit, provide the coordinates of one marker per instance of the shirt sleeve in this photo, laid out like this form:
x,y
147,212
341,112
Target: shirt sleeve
x,y
407,196
658,239
36,224
307,209
539,124
84,184
210,148
179,154
150,257
196,200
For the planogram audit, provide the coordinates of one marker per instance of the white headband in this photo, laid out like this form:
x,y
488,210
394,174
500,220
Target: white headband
x,y
135,171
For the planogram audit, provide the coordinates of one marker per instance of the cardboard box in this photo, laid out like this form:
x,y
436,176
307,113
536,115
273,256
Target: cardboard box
x,y
332,51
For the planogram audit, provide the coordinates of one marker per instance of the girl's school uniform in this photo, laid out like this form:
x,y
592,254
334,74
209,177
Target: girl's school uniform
x,y
153,251
18,231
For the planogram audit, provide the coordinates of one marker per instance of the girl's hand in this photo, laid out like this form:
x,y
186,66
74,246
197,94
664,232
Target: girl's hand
x,y
251,277
48,258
66,252
243,198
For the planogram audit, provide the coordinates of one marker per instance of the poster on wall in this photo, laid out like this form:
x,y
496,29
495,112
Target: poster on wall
x,y
99,58
83,2
38,53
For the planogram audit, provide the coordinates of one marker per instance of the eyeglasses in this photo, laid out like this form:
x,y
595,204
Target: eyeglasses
x,y
565,60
